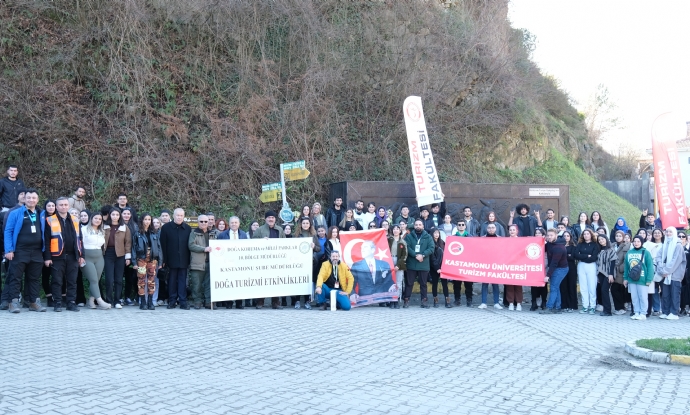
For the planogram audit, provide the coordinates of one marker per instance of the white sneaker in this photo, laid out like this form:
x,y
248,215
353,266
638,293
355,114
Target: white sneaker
x,y
672,317
600,307
498,307
641,317
482,305
619,312
510,307
118,306
662,316
297,305
518,307
634,317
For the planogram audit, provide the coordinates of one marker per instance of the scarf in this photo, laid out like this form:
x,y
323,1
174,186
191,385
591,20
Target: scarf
x,y
669,245
623,228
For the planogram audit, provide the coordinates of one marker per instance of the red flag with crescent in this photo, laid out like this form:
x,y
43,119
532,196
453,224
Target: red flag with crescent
x,y
352,245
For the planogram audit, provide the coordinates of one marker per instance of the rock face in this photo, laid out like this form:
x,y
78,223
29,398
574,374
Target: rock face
x,y
200,101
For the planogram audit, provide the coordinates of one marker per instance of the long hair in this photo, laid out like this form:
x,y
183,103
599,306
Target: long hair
x,y
572,241
599,222
250,232
46,204
141,222
329,234
109,220
311,230
587,222
582,237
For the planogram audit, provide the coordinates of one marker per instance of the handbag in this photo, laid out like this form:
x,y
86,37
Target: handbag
x,y
636,271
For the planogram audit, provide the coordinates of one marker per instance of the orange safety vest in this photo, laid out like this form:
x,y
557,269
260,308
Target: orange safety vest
x,y
56,240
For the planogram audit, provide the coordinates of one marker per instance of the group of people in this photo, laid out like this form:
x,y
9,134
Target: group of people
x,y
160,258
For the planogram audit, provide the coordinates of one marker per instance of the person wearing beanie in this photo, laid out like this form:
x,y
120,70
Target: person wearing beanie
x,y
269,230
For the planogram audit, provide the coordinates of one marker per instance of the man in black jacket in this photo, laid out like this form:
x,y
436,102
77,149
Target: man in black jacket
x,y
558,268
335,213
9,187
174,243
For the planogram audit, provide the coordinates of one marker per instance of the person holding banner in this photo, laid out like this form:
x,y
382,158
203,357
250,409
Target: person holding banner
x,y
513,293
199,267
234,233
557,258
420,247
306,231
461,230
266,231
491,219
491,233
334,275
398,249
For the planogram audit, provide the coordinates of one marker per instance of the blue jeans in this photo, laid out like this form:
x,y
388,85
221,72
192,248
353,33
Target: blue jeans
x,y
342,300
670,301
485,292
557,277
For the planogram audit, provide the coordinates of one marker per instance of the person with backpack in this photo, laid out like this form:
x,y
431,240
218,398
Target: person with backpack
x,y
639,273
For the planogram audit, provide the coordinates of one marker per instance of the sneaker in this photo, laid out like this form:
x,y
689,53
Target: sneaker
x,y
118,306
14,306
634,317
482,306
160,303
498,307
308,306
71,306
672,317
80,305
619,312
510,307
547,311
583,311
297,305
600,308
128,301
662,316
641,317
627,306
655,313
569,310
469,303
518,307
592,312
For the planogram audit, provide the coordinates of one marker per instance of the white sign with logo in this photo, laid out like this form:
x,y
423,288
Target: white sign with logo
x,y
544,191
260,268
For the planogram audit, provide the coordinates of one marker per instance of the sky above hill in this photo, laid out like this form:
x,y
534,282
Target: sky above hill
x,y
638,49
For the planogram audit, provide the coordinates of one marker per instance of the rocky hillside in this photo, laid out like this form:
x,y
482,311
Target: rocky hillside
x,y
197,102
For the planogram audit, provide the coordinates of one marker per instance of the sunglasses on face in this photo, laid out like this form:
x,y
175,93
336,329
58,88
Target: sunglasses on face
x,y
203,221
684,236
461,224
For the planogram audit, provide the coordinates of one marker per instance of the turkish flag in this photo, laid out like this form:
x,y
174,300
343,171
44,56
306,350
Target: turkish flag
x,y
352,245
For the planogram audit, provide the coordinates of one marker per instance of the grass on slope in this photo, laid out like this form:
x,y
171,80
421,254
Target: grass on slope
x,y
586,194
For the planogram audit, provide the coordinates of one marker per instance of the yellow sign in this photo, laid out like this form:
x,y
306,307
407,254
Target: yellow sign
x,y
295,171
271,192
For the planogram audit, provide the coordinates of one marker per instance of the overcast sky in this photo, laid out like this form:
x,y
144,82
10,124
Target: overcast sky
x,y
638,49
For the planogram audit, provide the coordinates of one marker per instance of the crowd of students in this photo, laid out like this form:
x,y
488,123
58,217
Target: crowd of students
x,y
154,260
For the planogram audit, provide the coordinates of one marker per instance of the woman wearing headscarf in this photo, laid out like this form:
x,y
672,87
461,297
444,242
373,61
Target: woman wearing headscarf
x,y
639,255
618,291
671,268
606,264
381,216
655,240
620,225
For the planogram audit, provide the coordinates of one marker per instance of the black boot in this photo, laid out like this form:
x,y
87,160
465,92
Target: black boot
x,y
149,303
448,305
142,302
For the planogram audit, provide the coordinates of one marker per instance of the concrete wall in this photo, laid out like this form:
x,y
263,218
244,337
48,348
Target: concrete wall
x,y
638,192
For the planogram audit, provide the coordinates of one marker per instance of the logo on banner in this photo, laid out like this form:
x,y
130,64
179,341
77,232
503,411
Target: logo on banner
x,y
533,251
455,248
413,111
304,247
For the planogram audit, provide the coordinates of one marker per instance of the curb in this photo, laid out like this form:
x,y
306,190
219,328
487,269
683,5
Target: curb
x,y
657,357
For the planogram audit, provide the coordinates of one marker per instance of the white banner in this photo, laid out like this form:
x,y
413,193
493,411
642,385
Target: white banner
x,y
426,181
260,268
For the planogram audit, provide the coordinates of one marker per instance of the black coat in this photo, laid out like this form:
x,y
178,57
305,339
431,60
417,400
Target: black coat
x,y
8,191
140,245
174,244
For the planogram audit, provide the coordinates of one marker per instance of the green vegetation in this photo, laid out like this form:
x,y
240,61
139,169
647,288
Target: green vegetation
x,y
586,194
672,346
195,103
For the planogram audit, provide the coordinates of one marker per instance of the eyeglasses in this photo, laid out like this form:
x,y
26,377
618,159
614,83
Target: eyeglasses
x,y
203,221
461,224
684,236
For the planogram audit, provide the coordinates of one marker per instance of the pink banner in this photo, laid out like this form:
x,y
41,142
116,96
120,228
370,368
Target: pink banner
x,y
667,174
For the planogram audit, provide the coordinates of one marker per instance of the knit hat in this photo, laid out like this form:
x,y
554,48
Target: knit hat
x,y
270,213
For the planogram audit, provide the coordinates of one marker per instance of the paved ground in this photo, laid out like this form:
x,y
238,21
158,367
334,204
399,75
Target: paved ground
x,y
368,360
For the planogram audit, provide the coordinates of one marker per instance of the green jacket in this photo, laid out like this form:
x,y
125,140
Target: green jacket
x,y
632,258
197,243
426,248
264,232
